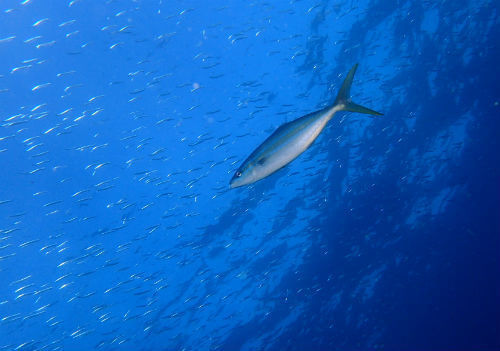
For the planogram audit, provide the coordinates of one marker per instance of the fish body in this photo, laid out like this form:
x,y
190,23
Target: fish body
x,y
293,138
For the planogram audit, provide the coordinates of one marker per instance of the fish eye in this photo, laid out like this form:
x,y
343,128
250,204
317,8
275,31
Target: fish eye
x,y
238,174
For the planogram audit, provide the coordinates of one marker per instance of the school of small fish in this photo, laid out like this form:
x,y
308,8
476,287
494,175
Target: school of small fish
x,y
115,156
121,123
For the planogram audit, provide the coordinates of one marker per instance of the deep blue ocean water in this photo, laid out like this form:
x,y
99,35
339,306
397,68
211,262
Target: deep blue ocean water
x,y
122,123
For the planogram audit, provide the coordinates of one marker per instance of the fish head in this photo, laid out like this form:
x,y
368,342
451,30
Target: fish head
x,y
238,180
243,176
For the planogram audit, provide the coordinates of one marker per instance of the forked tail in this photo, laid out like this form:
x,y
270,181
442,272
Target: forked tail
x,y
344,96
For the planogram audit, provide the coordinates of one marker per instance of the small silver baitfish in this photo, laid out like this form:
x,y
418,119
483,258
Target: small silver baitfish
x,y
293,138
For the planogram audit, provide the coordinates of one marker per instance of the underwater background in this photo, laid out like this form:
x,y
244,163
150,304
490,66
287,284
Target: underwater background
x,y
122,123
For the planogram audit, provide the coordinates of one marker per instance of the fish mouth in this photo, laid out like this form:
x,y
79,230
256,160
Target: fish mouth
x,y
235,182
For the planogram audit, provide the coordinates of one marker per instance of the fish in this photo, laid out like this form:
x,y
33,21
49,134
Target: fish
x,y
291,139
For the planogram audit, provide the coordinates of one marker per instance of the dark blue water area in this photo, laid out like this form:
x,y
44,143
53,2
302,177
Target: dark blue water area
x,y
122,123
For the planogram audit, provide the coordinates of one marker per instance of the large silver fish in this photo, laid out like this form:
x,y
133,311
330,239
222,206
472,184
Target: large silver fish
x,y
293,138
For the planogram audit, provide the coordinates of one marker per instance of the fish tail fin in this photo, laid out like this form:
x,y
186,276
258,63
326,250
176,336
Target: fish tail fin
x,y
344,96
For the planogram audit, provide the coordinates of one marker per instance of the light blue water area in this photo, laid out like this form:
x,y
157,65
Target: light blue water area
x,y
122,123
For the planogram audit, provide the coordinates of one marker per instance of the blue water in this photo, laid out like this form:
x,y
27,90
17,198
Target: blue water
x,y
122,123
